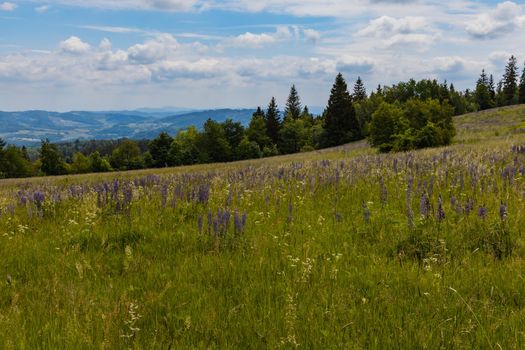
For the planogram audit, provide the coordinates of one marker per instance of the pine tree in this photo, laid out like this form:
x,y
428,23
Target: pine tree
x,y
293,105
482,93
510,86
492,88
359,90
522,87
273,121
258,113
340,122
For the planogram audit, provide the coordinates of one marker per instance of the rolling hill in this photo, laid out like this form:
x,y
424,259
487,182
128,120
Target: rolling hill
x,y
29,127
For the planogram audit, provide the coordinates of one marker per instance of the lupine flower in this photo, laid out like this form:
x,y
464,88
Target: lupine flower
x,y
440,214
424,205
482,212
164,195
503,211
39,198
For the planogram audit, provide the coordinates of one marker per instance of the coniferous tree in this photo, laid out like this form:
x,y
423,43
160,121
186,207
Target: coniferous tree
x,y
510,85
52,162
273,120
340,122
522,87
482,93
359,90
293,105
159,148
258,113
492,88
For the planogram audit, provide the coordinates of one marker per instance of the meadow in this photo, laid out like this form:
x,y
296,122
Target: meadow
x,y
340,248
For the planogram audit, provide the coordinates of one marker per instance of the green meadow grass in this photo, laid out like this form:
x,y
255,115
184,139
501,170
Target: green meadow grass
x,y
340,250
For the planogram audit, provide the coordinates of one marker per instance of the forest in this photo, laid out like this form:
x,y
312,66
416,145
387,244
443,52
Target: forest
x,y
402,117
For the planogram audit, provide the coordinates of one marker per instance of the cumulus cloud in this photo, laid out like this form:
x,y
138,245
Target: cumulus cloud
x,y
250,40
7,6
153,50
505,18
312,35
282,33
74,45
355,65
386,26
401,31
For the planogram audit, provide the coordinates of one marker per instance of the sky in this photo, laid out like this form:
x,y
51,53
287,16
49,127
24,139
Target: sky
x,y
123,54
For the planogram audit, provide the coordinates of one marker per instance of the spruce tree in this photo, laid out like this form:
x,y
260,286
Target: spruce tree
x,y
258,113
510,86
482,93
522,87
340,122
492,88
359,90
293,105
273,121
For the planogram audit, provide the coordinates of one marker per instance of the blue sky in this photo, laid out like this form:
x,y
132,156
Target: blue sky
x,y
124,54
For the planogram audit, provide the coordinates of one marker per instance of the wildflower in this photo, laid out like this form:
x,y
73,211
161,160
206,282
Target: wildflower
x,y
503,211
424,205
440,215
39,198
482,212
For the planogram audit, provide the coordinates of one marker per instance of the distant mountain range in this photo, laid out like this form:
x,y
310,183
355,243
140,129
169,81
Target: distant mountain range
x,y
30,127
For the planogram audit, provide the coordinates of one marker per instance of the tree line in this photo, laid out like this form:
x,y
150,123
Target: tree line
x,y
405,116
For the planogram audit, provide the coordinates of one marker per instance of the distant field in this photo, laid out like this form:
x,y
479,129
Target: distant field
x,y
340,248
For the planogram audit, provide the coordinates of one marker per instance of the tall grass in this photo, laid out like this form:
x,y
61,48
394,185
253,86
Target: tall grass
x,y
338,249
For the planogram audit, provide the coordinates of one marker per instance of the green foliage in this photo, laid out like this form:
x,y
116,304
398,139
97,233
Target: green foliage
x,y
213,144
257,131
272,121
293,105
340,123
81,164
294,135
510,86
51,159
359,93
387,122
248,149
127,156
98,163
484,97
521,98
417,124
159,149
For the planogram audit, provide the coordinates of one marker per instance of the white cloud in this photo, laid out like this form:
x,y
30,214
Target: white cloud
x,y
312,35
153,50
42,9
7,6
161,5
250,40
111,29
74,45
386,26
507,17
281,34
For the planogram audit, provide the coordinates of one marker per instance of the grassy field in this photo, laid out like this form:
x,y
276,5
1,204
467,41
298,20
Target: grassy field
x,y
340,248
